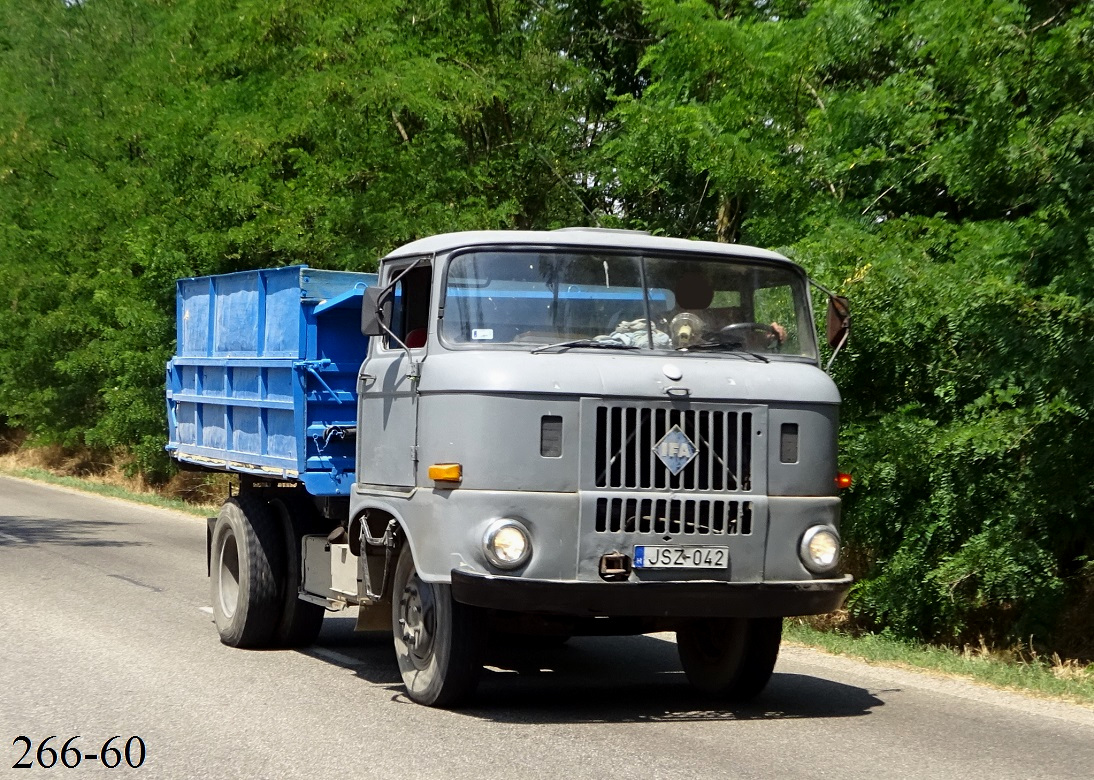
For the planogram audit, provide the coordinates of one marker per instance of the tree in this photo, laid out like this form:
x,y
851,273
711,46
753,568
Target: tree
x,y
931,160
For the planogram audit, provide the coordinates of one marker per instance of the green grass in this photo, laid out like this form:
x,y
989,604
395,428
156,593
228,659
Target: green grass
x,y
112,491
1032,674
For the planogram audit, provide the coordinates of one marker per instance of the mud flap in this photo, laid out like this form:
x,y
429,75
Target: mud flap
x,y
210,524
375,617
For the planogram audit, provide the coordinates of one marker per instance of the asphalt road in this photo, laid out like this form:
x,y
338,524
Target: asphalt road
x,y
105,630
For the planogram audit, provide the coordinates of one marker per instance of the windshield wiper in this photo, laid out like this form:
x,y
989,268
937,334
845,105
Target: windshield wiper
x,y
593,343
732,349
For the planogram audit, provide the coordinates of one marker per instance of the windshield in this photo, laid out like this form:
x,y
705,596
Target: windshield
x,y
539,298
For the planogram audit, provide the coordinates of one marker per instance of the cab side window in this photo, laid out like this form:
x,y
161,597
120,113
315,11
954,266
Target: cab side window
x,y
410,312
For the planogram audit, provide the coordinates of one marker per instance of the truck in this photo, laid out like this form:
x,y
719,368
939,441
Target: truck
x,y
518,437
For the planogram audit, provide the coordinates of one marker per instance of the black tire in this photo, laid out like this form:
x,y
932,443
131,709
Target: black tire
x,y
301,621
248,553
438,641
730,658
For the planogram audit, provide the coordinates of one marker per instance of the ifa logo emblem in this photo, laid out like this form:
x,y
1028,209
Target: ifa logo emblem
x,y
675,450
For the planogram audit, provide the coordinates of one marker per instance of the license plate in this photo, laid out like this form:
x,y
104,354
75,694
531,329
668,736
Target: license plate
x,y
657,557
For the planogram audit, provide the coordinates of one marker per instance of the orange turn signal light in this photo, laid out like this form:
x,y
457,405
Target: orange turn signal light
x,y
446,472
843,480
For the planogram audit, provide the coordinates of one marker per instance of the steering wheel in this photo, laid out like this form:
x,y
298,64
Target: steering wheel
x,y
738,331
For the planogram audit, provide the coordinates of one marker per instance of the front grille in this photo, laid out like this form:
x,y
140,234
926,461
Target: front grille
x,y
626,437
673,516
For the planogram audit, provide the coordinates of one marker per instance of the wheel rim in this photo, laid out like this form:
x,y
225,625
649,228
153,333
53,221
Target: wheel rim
x,y
417,620
228,576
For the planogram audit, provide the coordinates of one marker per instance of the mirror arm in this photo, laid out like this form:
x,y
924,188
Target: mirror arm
x,y
832,359
412,371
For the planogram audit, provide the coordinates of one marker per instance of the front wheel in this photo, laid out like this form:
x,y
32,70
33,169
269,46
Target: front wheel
x,y
438,642
730,658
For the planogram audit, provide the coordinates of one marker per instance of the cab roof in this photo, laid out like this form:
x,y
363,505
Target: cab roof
x,y
587,238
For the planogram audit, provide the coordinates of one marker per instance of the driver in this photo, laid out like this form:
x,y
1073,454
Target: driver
x,y
695,322
694,294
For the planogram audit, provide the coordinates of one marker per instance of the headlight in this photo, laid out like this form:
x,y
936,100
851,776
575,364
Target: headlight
x,y
819,549
507,544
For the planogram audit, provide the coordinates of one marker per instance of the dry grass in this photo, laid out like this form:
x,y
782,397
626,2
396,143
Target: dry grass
x,y
85,464
840,621
1013,668
1073,669
195,487
1070,663
200,489
1020,666
1070,669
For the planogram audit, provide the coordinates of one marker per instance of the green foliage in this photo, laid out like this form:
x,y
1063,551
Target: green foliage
x,y
933,160
140,143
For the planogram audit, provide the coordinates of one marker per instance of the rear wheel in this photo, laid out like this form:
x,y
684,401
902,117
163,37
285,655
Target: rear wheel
x,y
301,621
730,658
248,554
438,642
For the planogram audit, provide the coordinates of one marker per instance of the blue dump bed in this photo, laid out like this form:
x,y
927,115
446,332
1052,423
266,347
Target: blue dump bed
x,y
264,377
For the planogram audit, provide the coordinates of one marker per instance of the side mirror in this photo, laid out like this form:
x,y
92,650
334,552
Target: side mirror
x,y
838,323
375,311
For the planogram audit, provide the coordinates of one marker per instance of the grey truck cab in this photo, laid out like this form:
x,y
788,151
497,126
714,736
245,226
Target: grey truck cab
x,y
563,433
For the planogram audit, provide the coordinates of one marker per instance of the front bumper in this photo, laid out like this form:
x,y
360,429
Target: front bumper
x,y
702,598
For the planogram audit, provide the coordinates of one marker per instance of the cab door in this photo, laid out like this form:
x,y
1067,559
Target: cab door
x,y
387,386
